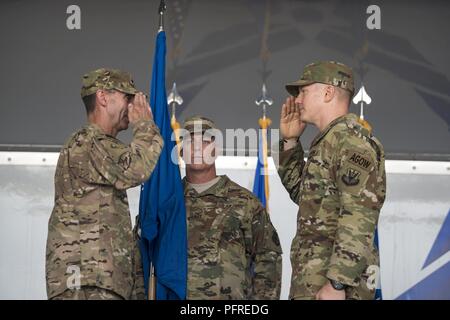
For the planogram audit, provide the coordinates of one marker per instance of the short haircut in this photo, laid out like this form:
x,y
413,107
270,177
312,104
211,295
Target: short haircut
x,y
343,94
89,103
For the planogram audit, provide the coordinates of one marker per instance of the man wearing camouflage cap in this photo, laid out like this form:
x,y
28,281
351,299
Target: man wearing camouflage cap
x,y
233,249
340,189
90,248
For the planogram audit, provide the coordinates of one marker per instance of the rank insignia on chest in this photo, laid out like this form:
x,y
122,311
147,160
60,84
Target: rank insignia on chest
x,y
351,177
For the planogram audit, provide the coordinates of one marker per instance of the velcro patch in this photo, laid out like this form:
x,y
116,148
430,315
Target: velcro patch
x,y
361,161
125,160
351,177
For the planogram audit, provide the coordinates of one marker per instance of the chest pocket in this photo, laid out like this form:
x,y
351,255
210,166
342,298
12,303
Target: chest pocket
x,y
223,228
230,231
228,234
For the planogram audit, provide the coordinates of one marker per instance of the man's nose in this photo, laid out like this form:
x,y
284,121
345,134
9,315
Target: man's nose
x,y
197,144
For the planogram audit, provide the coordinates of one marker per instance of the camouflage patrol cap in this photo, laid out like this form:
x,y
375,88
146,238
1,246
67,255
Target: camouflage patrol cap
x,y
328,72
107,79
199,124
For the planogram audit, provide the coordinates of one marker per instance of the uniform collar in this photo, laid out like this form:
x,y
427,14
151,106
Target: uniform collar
x,y
220,189
94,128
349,118
97,130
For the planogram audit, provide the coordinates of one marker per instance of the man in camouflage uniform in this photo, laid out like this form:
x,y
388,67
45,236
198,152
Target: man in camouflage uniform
x,y
90,249
340,189
234,251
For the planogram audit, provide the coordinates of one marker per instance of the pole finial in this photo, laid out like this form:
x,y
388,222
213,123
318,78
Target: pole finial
x,y
264,101
362,98
161,10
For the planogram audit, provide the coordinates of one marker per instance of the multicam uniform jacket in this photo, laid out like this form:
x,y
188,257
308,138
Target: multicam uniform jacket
x,y
234,250
340,191
90,239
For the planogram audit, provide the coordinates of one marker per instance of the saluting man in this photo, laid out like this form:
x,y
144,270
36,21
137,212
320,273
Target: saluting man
x,y
90,248
340,189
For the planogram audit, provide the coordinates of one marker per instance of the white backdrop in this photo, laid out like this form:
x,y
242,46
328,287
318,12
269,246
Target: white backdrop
x,y
418,200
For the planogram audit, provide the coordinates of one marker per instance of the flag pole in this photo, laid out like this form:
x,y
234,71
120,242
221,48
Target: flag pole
x,y
152,284
152,277
161,10
174,99
264,101
362,98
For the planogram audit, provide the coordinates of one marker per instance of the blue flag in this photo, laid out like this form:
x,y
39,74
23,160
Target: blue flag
x,y
260,184
378,293
162,212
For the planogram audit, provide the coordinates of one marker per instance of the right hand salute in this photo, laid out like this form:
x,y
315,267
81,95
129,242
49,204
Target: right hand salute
x,y
139,109
291,127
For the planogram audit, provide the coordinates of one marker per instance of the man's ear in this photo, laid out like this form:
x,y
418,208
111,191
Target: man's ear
x,y
330,92
101,98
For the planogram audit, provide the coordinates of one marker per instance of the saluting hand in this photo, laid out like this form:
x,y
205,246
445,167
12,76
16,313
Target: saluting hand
x,y
290,124
139,109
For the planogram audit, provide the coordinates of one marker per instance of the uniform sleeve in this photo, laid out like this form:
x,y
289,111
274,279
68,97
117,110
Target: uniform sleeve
x,y
138,290
267,252
126,166
357,179
290,170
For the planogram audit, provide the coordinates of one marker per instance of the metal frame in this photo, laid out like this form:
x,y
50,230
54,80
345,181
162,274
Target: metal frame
x,y
226,162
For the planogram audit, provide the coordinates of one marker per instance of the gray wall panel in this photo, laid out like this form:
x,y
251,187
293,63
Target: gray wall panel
x,y
217,66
